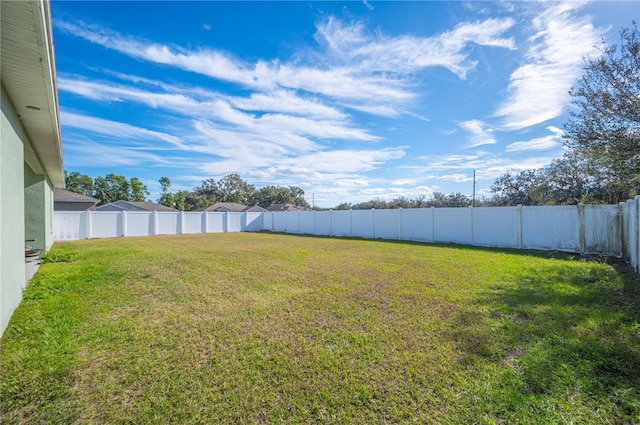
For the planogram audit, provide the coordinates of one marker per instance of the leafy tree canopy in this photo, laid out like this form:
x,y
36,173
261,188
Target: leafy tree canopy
x,y
109,188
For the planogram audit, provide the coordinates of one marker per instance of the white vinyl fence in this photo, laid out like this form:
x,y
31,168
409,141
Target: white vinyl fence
x,y
586,229
72,225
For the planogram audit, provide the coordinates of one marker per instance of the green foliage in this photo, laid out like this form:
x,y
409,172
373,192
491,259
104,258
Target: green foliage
x,y
602,163
109,188
269,195
138,190
55,257
151,330
79,183
605,126
166,198
438,199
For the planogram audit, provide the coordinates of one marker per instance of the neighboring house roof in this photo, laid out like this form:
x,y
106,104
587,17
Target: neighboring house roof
x,y
63,195
224,207
284,207
133,206
230,207
29,78
255,208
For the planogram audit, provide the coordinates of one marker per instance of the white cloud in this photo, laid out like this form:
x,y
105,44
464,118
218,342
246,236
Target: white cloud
x,y
538,143
403,182
368,72
538,90
408,54
458,178
480,133
115,129
87,153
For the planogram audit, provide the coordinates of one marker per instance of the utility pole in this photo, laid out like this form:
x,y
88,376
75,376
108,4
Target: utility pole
x,y
473,202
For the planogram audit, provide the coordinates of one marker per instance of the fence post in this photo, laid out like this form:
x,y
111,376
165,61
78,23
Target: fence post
x,y
206,221
581,229
373,223
89,224
519,225
471,225
154,227
636,236
400,231
181,230
351,222
433,224
623,229
330,222
299,229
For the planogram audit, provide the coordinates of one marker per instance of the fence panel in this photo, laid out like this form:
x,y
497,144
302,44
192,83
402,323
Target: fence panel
x,y
107,224
168,223
496,226
234,221
307,222
292,221
361,223
192,222
386,224
279,222
551,228
341,222
267,221
70,225
323,223
216,222
602,230
417,224
139,223
253,222
452,225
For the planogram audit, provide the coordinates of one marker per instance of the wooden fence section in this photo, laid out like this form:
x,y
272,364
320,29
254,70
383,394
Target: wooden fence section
x,y
585,229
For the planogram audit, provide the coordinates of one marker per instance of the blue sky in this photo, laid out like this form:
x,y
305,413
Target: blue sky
x,y
348,100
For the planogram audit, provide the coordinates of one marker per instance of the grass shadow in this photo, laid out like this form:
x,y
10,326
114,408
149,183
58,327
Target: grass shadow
x,y
570,332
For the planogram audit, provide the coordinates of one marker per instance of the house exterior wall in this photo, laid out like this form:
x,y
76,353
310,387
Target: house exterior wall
x,y
34,207
12,211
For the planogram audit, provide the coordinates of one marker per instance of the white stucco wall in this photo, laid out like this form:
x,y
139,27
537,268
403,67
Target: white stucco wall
x,y
12,271
38,200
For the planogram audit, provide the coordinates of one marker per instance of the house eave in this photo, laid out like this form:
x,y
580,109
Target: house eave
x,y
29,80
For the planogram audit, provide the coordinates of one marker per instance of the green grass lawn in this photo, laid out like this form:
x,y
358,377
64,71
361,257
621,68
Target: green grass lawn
x,y
269,328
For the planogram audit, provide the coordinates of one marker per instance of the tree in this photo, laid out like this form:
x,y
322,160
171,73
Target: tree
x,y
269,195
189,201
78,183
565,181
166,198
233,189
111,188
181,200
605,126
114,187
209,190
138,190
517,189
230,188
